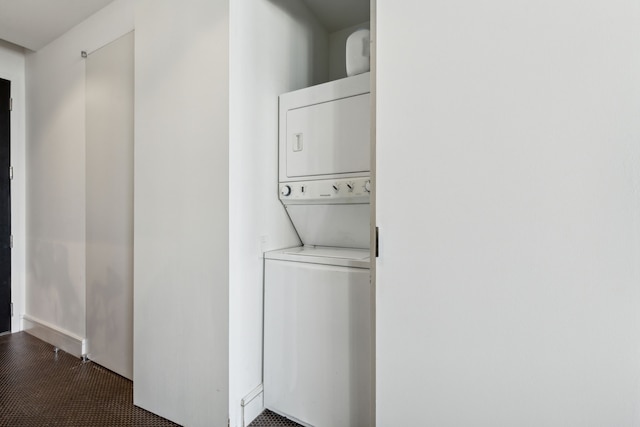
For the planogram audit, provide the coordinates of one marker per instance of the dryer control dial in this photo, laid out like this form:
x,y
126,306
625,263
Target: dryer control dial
x,y
285,190
367,186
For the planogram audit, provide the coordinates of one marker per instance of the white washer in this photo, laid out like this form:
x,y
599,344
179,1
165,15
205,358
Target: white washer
x,y
317,348
317,336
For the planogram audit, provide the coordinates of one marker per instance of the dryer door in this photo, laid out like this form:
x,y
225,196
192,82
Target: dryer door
x,y
329,138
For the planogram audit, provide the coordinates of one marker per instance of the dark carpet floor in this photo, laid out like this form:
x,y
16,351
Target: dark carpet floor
x,y
271,419
39,387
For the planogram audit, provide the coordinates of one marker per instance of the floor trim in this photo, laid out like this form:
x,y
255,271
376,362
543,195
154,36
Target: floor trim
x,y
249,411
57,337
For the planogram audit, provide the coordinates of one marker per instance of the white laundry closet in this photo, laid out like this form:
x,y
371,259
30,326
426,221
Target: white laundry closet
x,y
318,331
278,46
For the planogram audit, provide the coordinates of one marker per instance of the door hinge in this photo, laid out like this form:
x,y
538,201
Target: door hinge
x,y
10,172
377,243
10,104
11,241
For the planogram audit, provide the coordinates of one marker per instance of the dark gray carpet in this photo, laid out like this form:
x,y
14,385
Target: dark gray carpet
x,y
39,387
271,419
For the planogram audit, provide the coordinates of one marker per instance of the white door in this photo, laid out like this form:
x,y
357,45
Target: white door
x,y
508,153
109,157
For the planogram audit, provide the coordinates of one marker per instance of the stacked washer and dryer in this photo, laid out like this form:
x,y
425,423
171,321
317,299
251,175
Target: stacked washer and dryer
x,y
318,327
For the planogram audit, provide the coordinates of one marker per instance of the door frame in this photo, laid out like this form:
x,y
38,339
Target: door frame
x,y
373,223
7,305
12,63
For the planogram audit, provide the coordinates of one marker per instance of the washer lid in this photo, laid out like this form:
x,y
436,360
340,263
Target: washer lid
x,y
345,257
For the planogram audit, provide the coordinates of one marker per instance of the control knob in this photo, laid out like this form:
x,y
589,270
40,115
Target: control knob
x,y
285,190
367,186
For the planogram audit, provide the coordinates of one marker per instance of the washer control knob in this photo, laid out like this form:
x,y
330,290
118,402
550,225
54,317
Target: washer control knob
x,y
350,186
367,186
336,187
285,190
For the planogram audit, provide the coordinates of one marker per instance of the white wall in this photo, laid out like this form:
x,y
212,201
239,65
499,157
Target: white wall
x,y
12,67
181,210
276,47
55,162
507,285
338,50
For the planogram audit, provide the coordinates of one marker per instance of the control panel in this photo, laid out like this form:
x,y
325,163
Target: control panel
x,y
348,190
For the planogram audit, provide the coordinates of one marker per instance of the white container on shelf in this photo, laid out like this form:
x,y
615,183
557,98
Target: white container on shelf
x,y
358,52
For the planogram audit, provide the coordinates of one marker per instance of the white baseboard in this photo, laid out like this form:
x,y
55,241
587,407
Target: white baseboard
x,y
57,337
252,405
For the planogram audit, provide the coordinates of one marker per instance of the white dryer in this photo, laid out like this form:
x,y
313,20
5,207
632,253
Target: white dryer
x,y
318,322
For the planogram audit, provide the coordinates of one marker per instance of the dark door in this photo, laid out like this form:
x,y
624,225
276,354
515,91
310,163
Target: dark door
x,y
5,207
